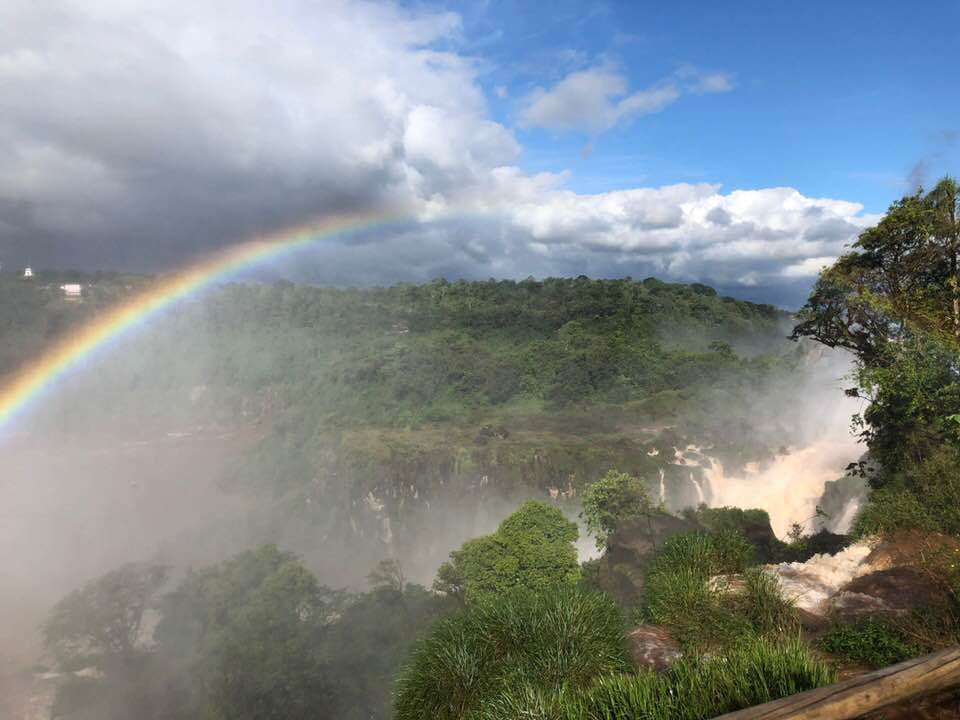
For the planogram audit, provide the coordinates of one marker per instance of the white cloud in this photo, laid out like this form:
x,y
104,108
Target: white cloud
x,y
597,99
139,134
712,83
808,267
594,100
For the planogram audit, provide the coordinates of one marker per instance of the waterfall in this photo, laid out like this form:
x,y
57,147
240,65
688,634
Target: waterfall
x,y
847,517
789,486
699,487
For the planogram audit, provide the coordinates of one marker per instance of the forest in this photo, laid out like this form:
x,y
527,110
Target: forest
x,y
568,411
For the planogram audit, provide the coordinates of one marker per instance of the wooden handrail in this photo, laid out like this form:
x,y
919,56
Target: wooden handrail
x,y
852,698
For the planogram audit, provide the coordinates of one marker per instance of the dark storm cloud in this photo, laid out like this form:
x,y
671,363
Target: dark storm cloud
x,y
138,135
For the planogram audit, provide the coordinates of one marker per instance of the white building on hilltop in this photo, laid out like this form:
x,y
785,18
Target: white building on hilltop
x,y
28,272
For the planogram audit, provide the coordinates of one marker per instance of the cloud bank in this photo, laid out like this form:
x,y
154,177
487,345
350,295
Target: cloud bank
x,y
136,135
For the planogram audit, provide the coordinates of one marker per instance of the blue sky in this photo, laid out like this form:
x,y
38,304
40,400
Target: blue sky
x,y
836,99
740,144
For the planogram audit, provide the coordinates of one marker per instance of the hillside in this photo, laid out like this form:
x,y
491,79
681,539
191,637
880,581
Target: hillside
x,y
388,416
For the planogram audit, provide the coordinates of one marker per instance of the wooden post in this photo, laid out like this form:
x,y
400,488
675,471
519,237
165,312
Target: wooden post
x,y
852,698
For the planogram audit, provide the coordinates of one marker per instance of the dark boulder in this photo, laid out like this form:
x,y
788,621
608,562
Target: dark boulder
x,y
630,549
753,524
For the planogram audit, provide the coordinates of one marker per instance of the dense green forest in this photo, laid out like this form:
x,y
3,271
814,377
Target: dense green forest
x,y
374,408
415,406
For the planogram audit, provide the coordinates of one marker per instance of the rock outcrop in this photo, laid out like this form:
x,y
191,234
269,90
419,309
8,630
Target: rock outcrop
x,y
653,648
630,549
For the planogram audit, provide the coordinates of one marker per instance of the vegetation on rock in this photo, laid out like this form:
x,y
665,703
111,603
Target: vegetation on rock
x,y
611,500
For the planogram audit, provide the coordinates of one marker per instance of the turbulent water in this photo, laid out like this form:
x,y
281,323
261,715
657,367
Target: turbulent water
x,y
811,583
789,486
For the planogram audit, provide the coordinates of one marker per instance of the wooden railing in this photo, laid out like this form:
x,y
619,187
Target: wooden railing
x,y
851,698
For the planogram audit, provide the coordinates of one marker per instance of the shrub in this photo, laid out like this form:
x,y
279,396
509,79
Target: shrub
x,y
937,480
753,671
876,643
764,606
721,553
888,509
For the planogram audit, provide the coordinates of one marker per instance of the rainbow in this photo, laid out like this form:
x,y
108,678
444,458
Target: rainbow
x,y
78,346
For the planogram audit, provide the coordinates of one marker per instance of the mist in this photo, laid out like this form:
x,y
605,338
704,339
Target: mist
x,y
211,431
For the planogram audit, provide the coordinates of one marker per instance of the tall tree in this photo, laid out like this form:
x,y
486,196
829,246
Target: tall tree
x,y
102,620
532,549
894,301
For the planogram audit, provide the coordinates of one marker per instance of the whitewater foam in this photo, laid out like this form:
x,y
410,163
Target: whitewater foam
x,y
811,583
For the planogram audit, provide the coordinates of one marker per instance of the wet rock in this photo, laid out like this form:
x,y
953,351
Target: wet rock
x,y
914,548
900,588
630,549
811,623
851,607
729,584
865,580
653,648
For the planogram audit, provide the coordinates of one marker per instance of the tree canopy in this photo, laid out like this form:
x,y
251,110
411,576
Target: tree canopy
x,y
611,500
102,620
894,302
533,548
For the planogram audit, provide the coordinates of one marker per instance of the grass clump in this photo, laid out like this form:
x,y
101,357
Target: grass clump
x,y
764,606
876,643
754,671
520,647
704,615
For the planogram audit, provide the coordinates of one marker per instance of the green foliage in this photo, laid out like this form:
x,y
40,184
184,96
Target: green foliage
x,y
753,524
245,630
388,391
256,637
763,605
388,575
101,621
368,643
720,553
517,645
876,643
895,303
937,483
704,614
889,509
532,548
611,500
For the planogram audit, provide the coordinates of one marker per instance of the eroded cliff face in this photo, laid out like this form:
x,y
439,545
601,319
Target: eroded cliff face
x,y
421,493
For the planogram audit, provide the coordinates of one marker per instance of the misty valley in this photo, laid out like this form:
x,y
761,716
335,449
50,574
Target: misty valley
x,y
450,360
280,500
